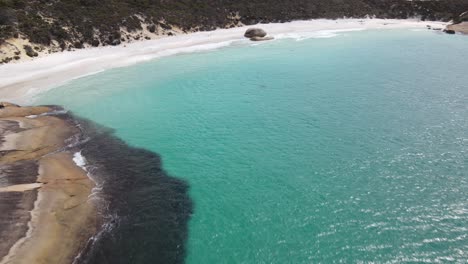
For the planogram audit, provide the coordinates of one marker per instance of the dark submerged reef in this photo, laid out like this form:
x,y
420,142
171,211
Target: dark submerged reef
x,y
146,211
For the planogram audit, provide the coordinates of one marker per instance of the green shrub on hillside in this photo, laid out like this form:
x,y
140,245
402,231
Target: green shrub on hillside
x,y
98,21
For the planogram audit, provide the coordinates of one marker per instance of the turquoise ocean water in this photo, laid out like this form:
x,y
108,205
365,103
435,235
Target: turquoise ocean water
x,y
345,149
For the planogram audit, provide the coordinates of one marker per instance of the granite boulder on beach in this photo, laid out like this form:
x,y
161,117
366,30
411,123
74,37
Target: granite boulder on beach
x,y
257,34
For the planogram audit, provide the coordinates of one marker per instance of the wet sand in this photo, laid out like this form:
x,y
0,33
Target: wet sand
x,y
47,216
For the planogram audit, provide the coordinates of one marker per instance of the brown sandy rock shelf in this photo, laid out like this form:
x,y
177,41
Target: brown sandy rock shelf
x,y
460,28
46,216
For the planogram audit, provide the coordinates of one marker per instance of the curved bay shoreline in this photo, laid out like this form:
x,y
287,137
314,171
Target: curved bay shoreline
x,y
24,80
47,216
38,173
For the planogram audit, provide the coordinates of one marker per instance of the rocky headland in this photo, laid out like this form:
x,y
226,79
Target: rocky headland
x,y
47,215
58,207
459,24
460,28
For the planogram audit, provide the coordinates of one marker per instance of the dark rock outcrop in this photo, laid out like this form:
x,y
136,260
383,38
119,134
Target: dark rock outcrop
x,y
30,51
152,28
95,43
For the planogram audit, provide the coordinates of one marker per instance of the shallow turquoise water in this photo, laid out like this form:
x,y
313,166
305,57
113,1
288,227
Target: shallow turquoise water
x,y
350,149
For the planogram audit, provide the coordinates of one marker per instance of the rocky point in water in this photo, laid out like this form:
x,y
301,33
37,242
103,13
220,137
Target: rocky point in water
x,y
460,24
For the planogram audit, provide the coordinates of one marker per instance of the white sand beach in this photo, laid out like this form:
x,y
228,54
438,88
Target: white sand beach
x,y
21,81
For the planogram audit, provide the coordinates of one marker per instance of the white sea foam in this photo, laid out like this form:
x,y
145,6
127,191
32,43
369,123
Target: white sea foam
x,y
55,112
22,82
316,34
80,160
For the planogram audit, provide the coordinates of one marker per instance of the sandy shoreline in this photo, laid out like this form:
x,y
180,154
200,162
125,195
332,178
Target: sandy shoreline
x,y
22,81
47,216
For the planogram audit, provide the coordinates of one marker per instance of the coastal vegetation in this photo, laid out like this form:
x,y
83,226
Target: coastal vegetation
x,y
74,23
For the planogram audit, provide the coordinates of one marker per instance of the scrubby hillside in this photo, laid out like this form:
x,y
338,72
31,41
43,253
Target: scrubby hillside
x,y
65,24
